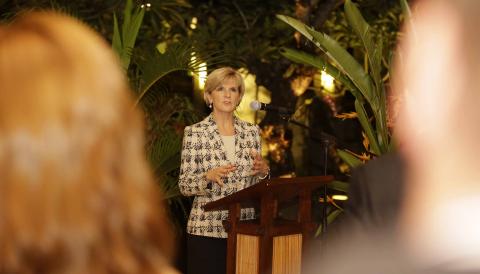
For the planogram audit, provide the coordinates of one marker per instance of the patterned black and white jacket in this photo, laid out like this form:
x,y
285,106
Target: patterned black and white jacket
x,y
203,150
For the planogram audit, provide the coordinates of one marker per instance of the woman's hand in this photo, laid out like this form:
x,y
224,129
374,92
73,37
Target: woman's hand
x,y
260,166
216,174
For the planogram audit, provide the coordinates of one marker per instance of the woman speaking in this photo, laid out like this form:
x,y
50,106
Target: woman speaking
x,y
220,155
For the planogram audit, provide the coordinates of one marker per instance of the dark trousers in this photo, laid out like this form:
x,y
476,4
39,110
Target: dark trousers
x,y
206,255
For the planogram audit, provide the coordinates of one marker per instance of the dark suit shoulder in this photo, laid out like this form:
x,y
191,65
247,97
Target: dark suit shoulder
x,y
383,174
386,163
376,190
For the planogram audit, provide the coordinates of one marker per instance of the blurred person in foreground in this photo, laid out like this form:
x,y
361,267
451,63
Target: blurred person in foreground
x,y
76,194
437,74
220,156
438,77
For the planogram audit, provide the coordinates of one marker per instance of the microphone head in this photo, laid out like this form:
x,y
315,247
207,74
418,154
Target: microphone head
x,y
255,105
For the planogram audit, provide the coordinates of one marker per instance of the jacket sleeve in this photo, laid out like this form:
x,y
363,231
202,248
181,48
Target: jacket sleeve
x,y
258,148
258,139
192,179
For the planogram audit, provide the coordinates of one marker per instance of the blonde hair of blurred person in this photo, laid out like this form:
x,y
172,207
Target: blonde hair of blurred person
x,y
76,194
437,73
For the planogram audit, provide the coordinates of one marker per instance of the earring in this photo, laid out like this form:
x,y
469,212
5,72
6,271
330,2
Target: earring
x,y
210,105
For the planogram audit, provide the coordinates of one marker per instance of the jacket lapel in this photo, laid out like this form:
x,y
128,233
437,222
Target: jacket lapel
x,y
241,151
218,148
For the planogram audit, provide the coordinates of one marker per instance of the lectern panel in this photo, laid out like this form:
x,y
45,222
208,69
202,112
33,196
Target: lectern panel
x,y
287,254
247,261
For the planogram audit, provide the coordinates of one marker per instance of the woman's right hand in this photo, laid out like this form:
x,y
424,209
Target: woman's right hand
x,y
216,174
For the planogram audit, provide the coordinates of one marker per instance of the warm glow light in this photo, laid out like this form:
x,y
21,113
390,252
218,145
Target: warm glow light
x,y
288,175
327,81
193,23
201,75
340,197
272,146
162,47
147,6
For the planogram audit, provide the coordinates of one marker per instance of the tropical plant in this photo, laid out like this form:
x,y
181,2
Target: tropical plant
x,y
367,88
153,65
164,141
123,41
365,82
166,114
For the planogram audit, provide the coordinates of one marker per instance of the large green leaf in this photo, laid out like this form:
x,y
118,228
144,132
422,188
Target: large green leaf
x,y
367,127
338,185
297,25
349,158
177,57
348,65
343,60
381,123
318,62
124,41
372,49
374,53
116,39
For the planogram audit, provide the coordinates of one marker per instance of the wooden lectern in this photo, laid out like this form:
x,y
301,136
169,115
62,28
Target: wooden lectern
x,y
268,244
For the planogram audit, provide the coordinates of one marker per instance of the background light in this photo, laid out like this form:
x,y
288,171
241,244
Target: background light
x,y
327,81
193,23
340,197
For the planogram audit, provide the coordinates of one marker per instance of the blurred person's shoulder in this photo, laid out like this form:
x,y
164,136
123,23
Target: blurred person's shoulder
x,y
169,270
388,162
383,178
360,253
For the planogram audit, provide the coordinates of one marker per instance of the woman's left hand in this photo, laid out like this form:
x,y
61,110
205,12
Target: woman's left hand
x,y
260,166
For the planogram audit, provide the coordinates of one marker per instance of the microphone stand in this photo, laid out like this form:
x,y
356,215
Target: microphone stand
x,y
325,139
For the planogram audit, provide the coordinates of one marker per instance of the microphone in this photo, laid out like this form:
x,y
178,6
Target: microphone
x,y
256,105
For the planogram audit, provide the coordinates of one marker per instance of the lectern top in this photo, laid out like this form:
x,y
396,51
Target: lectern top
x,y
276,187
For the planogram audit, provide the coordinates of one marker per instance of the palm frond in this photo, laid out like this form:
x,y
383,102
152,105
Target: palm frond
x,y
172,194
123,41
164,152
177,57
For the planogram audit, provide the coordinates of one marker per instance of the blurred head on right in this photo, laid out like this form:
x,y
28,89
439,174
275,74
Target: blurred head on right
x,y
437,73
437,76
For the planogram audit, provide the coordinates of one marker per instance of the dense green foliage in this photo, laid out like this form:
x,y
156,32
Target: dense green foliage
x,y
241,34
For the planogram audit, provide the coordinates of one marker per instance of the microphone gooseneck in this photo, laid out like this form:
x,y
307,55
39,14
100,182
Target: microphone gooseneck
x,y
256,105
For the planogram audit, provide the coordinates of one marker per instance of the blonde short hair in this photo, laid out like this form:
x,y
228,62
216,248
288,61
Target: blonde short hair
x,y
218,76
76,192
